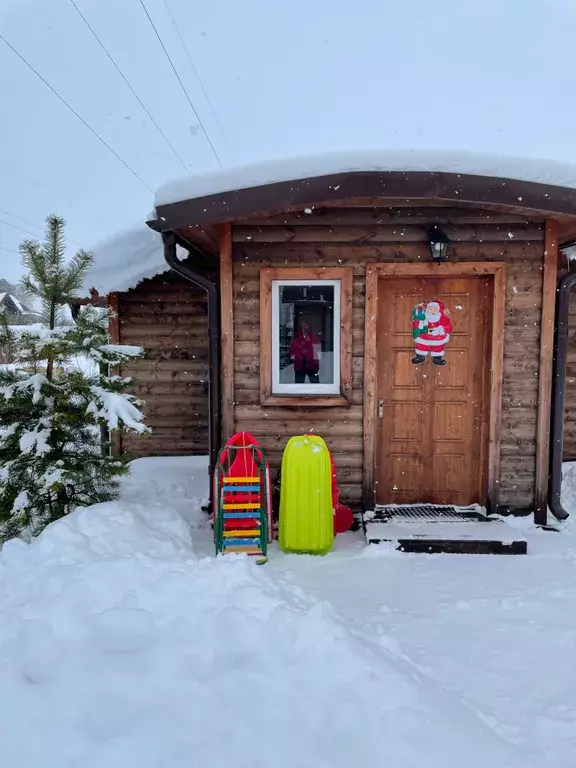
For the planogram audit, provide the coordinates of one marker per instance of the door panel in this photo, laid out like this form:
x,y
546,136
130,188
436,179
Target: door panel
x,y
430,436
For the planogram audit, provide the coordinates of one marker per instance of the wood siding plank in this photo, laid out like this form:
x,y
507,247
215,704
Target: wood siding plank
x,y
227,332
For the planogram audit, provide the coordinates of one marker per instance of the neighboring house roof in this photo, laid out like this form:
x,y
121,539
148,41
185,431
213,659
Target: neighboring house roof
x,y
10,303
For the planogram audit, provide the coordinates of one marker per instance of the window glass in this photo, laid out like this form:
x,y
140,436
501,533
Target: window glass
x,y
305,358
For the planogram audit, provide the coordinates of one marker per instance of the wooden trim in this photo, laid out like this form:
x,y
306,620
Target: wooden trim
x,y
114,326
375,272
446,269
289,401
266,334
369,427
455,188
114,330
496,382
345,275
227,331
549,279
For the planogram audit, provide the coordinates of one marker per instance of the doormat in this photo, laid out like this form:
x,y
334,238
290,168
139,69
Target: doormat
x,y
429,513
431,528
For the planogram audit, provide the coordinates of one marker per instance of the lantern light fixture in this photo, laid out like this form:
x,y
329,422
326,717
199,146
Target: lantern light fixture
x,y
438,242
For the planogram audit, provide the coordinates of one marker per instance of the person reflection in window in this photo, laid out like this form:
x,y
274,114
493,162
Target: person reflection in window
x,y
305,353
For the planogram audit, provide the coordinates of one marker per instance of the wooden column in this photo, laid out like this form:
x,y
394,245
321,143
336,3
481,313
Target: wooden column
x,y
115,320
227,331
545,371
369,430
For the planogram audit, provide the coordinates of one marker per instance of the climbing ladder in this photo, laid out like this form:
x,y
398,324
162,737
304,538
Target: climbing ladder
x,y
242,514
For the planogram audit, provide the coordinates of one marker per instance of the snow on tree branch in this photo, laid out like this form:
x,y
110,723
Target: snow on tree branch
x,y
115,408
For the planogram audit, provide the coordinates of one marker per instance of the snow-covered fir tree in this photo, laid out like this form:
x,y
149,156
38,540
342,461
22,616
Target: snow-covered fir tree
x,y
51,456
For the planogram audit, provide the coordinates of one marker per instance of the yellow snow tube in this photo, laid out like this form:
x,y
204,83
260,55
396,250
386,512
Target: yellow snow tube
x,y
306,516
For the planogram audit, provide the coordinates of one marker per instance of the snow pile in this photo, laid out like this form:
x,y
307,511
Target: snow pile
x,y
179,481
568,495
296,168
119,647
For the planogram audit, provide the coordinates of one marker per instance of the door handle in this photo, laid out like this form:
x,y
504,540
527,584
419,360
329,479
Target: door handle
x,y
381,408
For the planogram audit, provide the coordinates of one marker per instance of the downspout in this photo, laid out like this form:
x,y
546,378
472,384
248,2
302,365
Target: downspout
x,y
559,393
170,241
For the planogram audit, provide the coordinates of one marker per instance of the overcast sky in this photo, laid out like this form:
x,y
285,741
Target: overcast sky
x,y
282,78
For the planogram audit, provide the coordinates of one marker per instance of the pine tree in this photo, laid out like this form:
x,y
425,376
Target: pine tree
x,y
51,458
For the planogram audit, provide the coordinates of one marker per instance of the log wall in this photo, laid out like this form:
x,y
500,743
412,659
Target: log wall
x,y
358,236
167,316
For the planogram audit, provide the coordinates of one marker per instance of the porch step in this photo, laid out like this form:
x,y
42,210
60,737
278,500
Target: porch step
x,y
428,528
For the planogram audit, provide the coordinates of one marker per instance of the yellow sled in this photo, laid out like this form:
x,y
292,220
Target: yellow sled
x,y
306,515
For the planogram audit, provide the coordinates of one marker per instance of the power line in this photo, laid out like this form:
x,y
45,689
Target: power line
x,y
201,124
30,180
10,250
19,218
116,66
32,224
66,104
26,231
204,91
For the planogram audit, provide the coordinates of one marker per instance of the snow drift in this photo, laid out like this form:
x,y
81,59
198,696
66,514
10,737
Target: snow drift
x,y
119,647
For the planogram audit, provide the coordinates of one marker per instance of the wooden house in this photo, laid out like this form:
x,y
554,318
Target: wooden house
x,y
15,312
408,317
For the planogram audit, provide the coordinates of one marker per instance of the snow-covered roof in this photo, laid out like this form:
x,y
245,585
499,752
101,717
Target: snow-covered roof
x,y
16,303
125,259
297,168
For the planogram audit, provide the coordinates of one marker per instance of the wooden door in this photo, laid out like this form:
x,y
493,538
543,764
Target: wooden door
x,y
431,441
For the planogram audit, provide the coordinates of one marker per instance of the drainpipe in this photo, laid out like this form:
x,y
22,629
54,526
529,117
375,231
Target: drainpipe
x,y
170,241
559,393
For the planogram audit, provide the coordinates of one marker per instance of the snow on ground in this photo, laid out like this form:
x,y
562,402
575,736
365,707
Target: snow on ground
x,y
122,643
179,481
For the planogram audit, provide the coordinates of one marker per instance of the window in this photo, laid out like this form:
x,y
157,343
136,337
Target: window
x,y
305,337
305,319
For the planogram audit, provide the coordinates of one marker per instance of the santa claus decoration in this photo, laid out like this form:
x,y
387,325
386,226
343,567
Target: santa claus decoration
x,y
431,328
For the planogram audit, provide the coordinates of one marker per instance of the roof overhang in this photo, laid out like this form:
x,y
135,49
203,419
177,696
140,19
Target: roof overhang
x,y
546,200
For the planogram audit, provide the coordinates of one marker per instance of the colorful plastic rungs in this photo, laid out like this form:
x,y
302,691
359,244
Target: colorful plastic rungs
x,y
241,489
246,550
230,515
251,505
231,480
252,542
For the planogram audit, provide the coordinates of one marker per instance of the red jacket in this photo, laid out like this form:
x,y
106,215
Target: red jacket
x,y
303,352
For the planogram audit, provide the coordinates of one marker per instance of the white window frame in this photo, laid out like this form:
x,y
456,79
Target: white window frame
x,y
306,389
